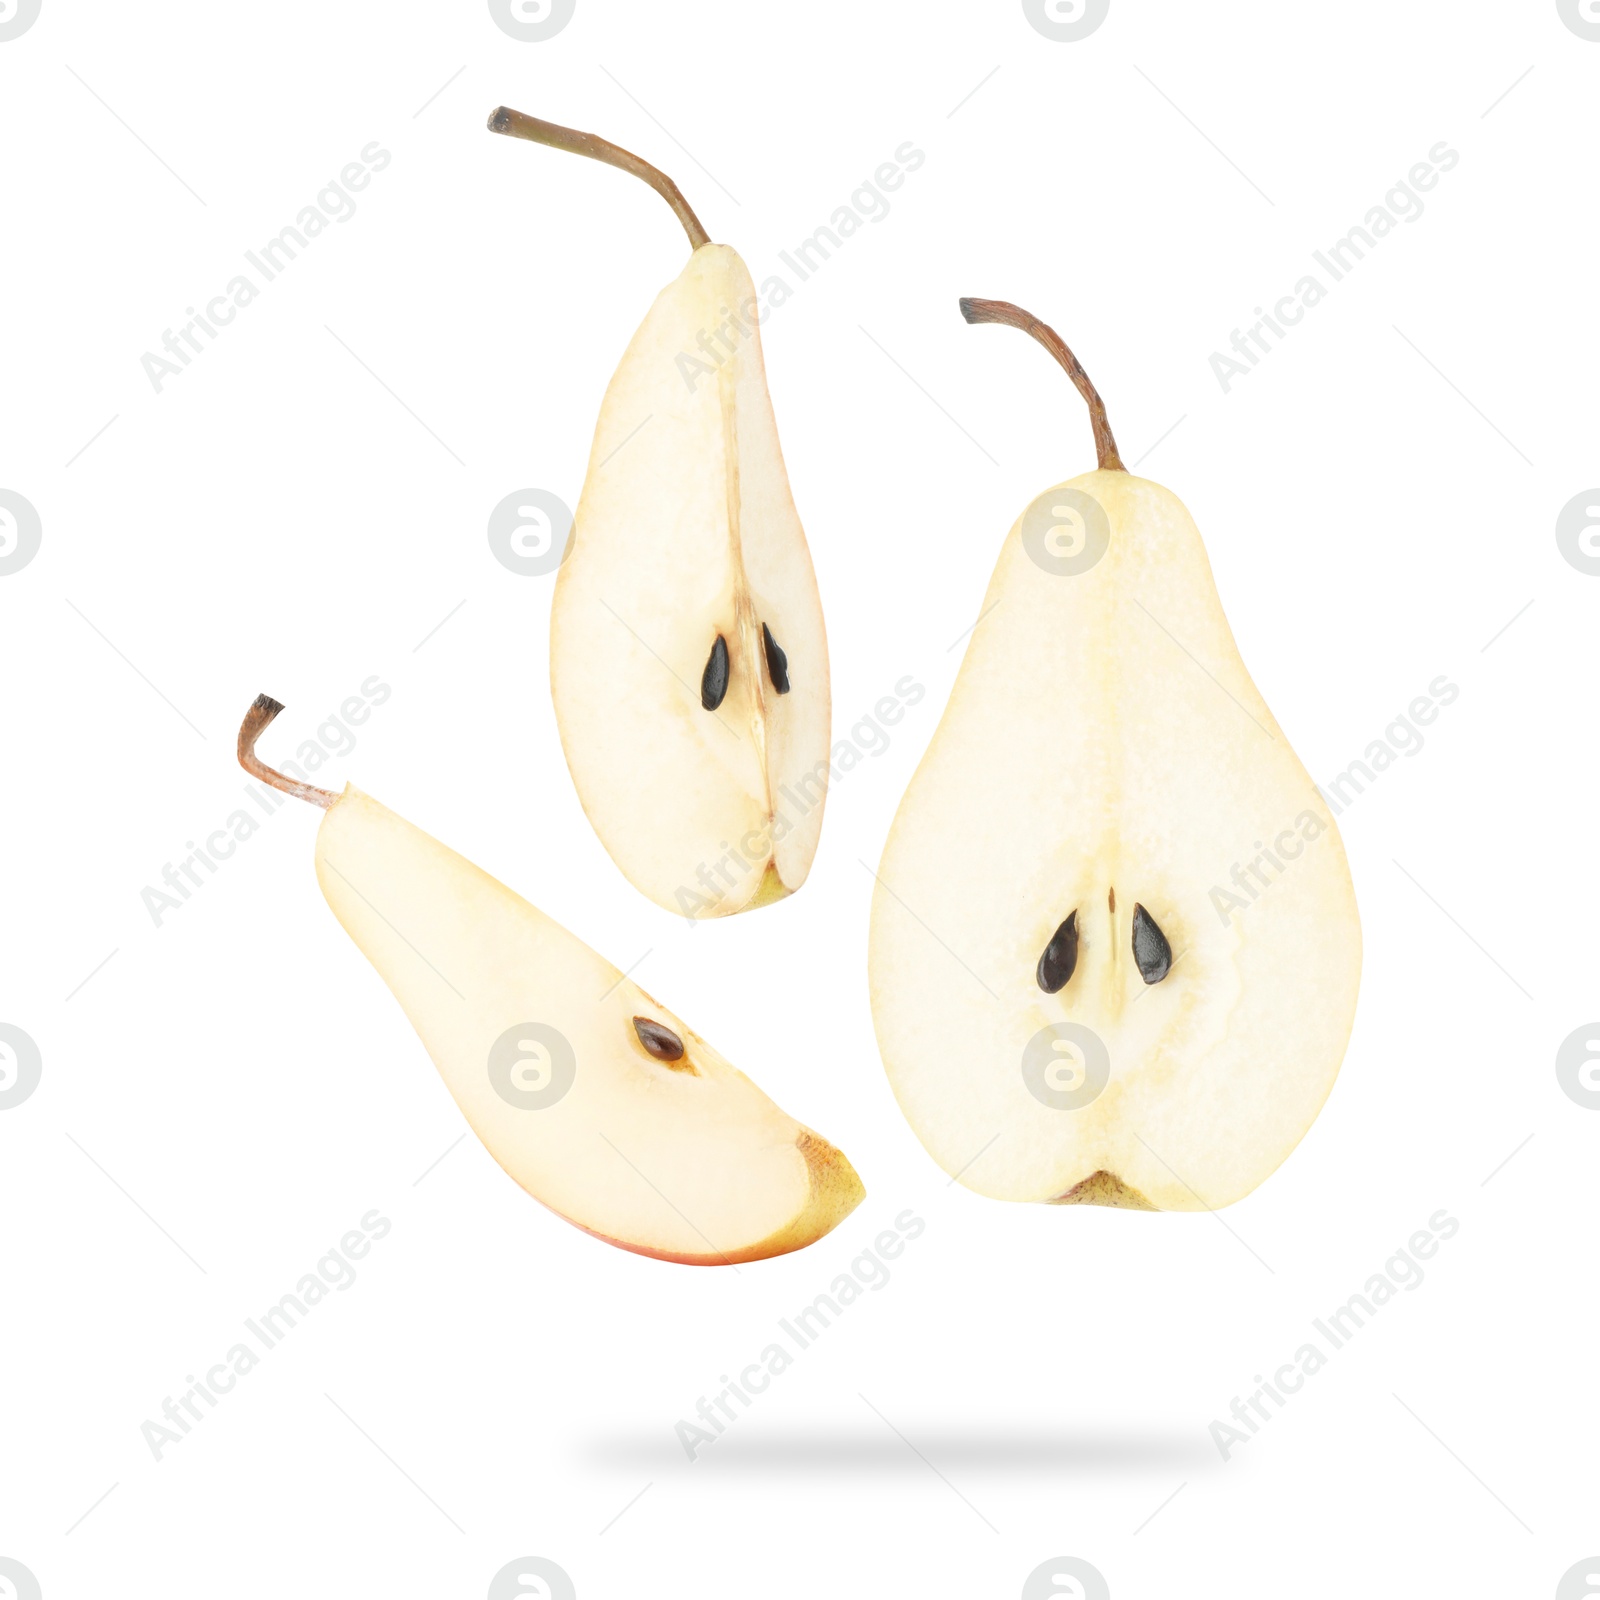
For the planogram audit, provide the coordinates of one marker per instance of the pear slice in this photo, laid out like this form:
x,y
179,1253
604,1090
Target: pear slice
x,y
688,657
600,1102
1114,948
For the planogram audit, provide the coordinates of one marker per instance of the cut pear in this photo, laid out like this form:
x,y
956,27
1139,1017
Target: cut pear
x,y
597,1100
688,656
1114,946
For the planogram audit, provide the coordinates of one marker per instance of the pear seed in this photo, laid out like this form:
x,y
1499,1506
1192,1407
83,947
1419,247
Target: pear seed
x,y
714,680
658,1039
1151,952
777,661
1060,956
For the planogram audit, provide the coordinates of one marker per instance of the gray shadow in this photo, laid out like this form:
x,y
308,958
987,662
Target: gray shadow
x,y
873,1450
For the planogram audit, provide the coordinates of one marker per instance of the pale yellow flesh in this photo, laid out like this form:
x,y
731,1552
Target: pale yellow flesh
x,y
688,1161
1104,736
686,530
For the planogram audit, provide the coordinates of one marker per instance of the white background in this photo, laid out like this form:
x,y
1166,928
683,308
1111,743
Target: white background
x,y
304,506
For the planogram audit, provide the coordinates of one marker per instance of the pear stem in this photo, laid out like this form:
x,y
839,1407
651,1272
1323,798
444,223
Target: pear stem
x,y
1010,316
519,125
262,710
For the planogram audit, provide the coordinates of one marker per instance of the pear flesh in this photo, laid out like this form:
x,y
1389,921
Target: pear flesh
x,y
688,657
599,1102
1104,767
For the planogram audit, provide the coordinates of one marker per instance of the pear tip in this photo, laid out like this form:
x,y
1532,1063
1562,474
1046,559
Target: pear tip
x,y
967,308
500,119
1104,1188
265,704
836,1188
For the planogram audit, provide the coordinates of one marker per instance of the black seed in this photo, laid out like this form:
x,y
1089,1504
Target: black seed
x,y
1151,952
714,680
777,661
1060,956
660,1041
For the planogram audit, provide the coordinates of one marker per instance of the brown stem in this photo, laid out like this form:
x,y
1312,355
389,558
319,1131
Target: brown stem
x,y
262,710
1010,316
519,125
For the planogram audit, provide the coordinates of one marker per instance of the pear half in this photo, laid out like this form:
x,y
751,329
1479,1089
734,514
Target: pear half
x,y
600,1102
1114,945
688,656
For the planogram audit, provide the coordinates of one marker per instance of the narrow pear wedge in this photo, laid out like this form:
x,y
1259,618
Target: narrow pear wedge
x,y
688,657
601,1103
1114,946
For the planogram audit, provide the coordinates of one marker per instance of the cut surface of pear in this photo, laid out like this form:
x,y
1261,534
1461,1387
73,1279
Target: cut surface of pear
x,y
688,655
701,783
1114,947
598,1101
